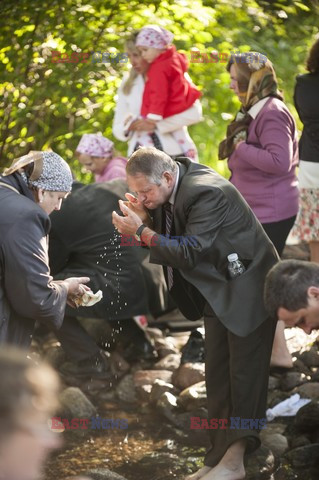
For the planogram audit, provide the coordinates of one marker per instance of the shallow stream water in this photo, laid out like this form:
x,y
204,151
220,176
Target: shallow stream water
x,y
148,449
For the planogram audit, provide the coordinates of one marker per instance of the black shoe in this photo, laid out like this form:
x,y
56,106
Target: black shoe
x,y
140,349
194,349
97,366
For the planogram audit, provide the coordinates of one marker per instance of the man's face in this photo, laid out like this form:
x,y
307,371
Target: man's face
x,y
148,194
306,318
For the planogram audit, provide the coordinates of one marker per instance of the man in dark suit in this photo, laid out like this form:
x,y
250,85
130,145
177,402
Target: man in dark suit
x,y
83,239
192,219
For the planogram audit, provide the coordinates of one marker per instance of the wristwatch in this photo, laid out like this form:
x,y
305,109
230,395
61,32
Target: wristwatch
x,y
139,231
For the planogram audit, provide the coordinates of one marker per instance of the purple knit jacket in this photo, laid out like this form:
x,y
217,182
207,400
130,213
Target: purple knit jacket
x,y
263,167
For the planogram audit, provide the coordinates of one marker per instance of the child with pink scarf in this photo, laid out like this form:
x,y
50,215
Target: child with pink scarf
x,y
167,91
96,154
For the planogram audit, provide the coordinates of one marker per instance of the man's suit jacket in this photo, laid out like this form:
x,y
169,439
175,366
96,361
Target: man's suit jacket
x,y
210,209
83,242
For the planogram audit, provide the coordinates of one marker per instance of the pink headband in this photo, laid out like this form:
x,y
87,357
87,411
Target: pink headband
x,y
154,36
95,144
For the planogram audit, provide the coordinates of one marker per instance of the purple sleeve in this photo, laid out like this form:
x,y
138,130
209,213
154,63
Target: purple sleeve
x,y
275,152
115,169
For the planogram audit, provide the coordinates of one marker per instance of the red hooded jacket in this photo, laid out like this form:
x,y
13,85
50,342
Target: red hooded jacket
x,y
167,92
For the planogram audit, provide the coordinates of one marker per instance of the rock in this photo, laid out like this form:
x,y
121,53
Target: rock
x,y
164,351
148,377
125,390
164,343
291,380
299,441
276,442
95,386
310,357
260,463
75,404
107,396
193,397
165,346
119,365
184,420
299,366
55,356
166,404
285,472
144,393
273,383
308,390
303,457
159,387
275,427
307,417
154,333
188,374
103,474
275,397
170,362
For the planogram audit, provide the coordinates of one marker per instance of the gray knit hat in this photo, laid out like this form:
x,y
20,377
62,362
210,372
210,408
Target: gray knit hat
x,y
50,171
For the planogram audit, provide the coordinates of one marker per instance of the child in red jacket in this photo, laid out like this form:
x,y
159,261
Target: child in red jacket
x,y
167,91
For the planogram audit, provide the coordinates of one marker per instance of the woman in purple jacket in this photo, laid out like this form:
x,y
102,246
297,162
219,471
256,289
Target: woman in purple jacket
x,y
262,151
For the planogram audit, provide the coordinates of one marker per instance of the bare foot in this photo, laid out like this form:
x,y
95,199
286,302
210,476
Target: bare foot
x,y
199,474
222,472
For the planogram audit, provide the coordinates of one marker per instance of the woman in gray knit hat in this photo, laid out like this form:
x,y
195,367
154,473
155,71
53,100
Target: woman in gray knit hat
x,y
30,189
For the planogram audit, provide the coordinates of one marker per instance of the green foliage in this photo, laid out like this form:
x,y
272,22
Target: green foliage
x,y
50,105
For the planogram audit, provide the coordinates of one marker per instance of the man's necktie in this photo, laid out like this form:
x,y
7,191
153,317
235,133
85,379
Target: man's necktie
x,y
168,225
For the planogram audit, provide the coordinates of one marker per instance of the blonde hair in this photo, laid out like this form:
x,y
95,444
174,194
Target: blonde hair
x,y
130,45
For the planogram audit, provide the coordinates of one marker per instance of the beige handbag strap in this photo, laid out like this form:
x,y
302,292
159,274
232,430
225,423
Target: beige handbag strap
x,y
9,186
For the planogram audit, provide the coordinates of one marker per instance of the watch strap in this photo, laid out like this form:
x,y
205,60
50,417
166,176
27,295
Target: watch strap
x,y
140,230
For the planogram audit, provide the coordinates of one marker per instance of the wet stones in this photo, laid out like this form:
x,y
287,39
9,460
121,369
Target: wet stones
x,y
170,362
74,404
310,358
307,419
103,474
309,390
125,390
291,380
193,397
159,387
148,377
188,374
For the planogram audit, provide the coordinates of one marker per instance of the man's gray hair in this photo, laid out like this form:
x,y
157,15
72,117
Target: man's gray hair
x,y
152,163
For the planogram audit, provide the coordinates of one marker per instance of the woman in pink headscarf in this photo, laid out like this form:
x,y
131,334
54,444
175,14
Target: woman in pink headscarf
x,y
167,92
96,154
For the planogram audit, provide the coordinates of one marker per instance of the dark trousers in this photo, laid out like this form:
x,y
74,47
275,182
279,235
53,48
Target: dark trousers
x,y
79,345
237,371
279,231
75,340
